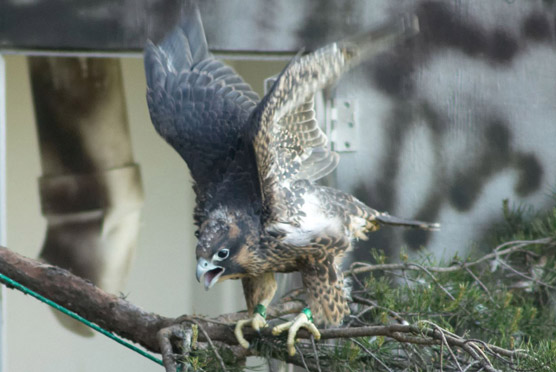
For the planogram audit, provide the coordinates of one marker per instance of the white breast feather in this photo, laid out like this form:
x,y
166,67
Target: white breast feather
x,y
315,223
356,228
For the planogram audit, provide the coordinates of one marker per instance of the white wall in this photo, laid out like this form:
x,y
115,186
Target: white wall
x,y
162,278
2,204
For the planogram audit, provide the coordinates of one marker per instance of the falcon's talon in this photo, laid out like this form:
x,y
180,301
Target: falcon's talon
x,y
256,322
300,321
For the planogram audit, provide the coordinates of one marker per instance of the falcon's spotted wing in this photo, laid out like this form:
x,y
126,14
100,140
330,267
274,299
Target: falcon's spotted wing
x,y
197,103
301,145
287,141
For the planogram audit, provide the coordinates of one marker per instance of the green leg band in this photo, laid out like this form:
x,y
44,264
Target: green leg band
x,y
309,314
261,310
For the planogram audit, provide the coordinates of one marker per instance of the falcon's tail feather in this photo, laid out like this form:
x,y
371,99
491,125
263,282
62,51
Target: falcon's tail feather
x,y
386,219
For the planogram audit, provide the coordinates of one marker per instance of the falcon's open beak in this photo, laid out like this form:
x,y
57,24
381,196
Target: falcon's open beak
x,y
210,271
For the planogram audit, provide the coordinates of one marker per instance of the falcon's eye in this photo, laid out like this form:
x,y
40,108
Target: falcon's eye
x,y
223,254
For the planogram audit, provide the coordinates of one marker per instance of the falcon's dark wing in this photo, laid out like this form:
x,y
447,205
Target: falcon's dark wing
x,y
197,104
289,148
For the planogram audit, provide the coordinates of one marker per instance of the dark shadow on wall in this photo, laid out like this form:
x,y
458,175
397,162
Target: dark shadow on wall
x,y
392,74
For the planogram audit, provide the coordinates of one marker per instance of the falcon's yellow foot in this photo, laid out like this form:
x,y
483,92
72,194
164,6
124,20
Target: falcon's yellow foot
x,y
305,320
257,321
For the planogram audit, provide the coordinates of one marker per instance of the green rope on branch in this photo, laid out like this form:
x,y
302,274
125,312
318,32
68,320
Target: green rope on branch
x,y
70,313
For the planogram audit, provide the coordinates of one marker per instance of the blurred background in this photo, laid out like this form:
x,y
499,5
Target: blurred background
x,y
443,128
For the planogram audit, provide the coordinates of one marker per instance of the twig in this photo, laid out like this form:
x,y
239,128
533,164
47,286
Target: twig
x,y
518,273
365,301
316,353
445,342
490,351
484,362
481,284
441,357
471,365
435,281
302,358
516,245
214,349
357,317
479,351
371,354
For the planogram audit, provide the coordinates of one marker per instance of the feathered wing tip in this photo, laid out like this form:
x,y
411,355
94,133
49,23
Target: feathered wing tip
x,y
320,163
379,39
192,27
305,75
182,48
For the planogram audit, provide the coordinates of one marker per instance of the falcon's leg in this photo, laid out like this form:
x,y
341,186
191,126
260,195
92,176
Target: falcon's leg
x,y
324,283
258,292
326,295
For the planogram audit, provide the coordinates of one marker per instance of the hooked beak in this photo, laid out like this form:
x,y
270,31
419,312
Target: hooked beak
x,y
210,271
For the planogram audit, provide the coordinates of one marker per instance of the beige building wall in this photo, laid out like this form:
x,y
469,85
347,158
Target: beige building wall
x,y
162,278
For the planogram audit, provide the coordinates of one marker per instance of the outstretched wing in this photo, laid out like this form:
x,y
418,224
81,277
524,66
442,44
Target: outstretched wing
x,y
301,145
288,143
197,104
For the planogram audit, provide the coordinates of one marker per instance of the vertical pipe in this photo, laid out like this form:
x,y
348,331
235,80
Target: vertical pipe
x,y
2,207
90,188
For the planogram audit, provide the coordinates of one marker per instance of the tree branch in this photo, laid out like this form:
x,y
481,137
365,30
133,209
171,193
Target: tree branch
x,y
509,248
76,294
121,317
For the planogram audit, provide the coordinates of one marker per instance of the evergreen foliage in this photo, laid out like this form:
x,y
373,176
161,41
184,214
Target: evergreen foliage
x,y
489,312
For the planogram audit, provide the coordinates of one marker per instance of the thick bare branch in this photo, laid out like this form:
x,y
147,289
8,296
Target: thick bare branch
x,y
127,320
108,311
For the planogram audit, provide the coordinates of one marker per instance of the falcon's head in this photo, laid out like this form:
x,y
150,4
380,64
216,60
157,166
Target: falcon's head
x,y
226,244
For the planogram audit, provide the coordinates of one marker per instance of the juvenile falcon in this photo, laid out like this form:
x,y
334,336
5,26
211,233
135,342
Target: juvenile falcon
x,y
254,163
